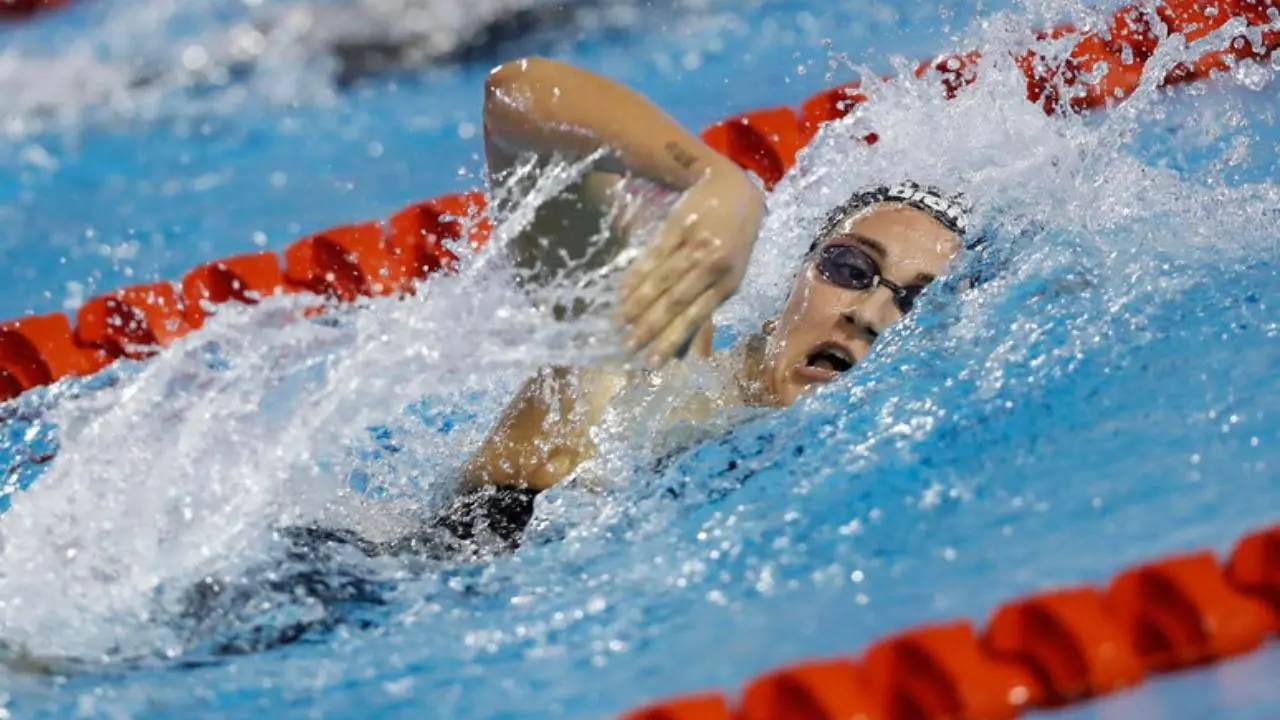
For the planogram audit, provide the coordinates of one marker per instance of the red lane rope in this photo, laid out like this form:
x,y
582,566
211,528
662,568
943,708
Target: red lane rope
x,y
1046,650
387,257
17,9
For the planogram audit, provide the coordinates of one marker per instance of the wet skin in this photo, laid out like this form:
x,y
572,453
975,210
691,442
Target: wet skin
x,y
824,328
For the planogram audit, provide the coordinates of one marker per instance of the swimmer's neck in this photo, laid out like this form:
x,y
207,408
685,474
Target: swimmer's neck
x,y
749,379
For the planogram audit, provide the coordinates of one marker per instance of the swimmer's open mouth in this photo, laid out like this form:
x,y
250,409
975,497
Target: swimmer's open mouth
x,y
827,361
834,359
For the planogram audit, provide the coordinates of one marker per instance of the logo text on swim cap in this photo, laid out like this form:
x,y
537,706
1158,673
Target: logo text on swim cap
x,y
914,194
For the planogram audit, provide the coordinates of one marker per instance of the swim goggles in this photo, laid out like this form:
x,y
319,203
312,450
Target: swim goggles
x,y
850,267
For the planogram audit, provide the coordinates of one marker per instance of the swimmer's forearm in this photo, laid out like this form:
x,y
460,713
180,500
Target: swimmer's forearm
x,y
543,106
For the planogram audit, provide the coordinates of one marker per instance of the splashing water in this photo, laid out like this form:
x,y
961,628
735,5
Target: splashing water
x,y
1106,396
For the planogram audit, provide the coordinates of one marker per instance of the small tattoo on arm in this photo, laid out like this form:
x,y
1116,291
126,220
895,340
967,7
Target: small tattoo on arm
x,y
683,158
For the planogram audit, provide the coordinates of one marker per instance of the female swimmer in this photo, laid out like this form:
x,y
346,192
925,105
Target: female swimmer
x,y
872,258
875,254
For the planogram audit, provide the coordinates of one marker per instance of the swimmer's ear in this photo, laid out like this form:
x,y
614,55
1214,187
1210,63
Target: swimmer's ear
x,y
768,327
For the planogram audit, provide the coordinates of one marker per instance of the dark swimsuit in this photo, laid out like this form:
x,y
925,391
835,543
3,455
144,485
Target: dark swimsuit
x,y
221,615
487,519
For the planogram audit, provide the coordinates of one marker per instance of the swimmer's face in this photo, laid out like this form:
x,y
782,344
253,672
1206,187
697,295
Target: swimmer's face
x,y
825,328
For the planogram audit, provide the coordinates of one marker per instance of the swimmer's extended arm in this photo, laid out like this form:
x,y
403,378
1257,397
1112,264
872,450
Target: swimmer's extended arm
x,y
540,108
546,109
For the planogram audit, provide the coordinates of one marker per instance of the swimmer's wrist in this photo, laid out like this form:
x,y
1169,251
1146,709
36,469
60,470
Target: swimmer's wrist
x,y
720,168
737,181
690,162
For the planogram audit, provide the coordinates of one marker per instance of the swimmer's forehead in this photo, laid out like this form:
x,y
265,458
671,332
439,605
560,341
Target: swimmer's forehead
x,y
885,225
910,247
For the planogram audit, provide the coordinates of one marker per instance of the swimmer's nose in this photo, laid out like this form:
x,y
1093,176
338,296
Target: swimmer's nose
x,y
873,312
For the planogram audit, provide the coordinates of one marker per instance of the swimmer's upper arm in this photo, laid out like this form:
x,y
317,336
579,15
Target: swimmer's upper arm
x,y
566,226
542,435
542,108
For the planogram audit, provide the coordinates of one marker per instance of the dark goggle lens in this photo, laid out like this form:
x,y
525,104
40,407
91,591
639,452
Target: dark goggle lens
x,y
848,267
851,268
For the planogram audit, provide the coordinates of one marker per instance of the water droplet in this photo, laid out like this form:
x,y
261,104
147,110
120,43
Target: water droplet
x,y
195,57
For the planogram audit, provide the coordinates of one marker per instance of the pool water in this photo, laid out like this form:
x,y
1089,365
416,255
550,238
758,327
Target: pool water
x,y
1106,397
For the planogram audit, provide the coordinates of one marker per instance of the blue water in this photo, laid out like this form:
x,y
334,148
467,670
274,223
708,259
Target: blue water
x,y
1110,399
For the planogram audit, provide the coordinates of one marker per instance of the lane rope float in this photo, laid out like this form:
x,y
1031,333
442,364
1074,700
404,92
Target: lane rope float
x,y
1046,650
22,9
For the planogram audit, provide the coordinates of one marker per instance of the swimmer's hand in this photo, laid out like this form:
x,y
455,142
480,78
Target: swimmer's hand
x,y
697,262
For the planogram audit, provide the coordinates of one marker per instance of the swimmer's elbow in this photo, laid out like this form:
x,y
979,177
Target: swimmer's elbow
x,y
502,79
511,105
511,81
513,72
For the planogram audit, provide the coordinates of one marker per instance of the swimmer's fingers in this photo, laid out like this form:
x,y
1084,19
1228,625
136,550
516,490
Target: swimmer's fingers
x,y
667,310
693,344
638,278
657,284
682,330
